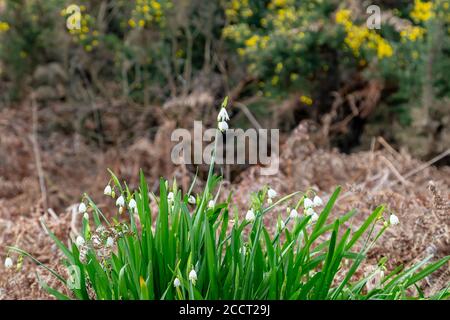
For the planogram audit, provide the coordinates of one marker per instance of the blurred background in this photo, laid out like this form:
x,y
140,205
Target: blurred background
x,y
365,108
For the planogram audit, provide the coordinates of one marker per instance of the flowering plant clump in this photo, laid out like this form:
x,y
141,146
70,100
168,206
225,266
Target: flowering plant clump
x,y
197,249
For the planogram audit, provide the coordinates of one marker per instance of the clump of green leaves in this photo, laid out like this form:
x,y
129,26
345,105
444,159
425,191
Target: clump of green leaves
x,y
231,258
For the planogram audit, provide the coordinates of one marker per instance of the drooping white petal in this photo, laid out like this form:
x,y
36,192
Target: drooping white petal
x,y
176,283
108,190
250,216
82,208
314,217
293,214
120,202
317,201
193,275
271,193
393,219
223,115
308,203
310,211
8,263
109,242
211,204
223,126
132,204
170,197
192,199
80,241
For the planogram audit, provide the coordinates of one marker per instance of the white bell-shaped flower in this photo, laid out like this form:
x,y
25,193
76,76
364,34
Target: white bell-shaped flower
x,y
132,204
193,275
79,241
120,202
308,203
271,193
109,242
223,115
317,201
8,263
223,126
293,214
310,211
82,208
192,199
250,216
108,190
393,219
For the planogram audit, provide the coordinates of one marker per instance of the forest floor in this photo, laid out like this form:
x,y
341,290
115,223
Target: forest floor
x,y
45,169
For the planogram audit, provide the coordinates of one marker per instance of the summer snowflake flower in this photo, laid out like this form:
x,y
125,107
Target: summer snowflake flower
x,y
82,208
223,115
223,126
120,202
308,203
109,242
8,263
176,283
310,211
96,241
86,216
191,199
317,201
108,190
79,241
271,193
211,204
393,219
193,275
132,204
293,214
170,197
314,217
250,216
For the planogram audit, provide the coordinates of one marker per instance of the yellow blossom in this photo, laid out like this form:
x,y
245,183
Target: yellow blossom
x,y
306,100
279,67
252,41
275,80
423,11
384,50
4,26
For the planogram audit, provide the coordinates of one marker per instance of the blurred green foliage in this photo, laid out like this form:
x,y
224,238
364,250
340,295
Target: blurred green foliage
x,y
157,49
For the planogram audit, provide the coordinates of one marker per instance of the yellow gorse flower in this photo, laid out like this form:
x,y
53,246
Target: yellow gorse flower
x,y
358,37
412,33
252,41
306,100
148,11
4,26
423,11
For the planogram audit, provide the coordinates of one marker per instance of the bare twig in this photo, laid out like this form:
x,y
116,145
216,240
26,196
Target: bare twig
x,y
37,155
394,170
